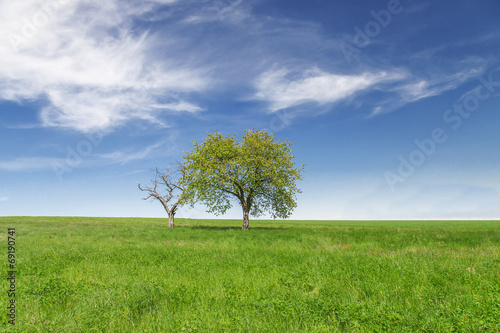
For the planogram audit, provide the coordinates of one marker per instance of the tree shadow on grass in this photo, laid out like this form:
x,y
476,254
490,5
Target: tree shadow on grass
x,y
215,227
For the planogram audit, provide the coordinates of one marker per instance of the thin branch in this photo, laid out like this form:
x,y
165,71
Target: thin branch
x,y
165,179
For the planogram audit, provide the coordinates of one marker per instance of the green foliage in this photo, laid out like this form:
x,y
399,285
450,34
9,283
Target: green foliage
x,y
135,275
258,172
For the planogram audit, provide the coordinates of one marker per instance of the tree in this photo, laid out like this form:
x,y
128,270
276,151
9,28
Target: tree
x,y
169,179
258,172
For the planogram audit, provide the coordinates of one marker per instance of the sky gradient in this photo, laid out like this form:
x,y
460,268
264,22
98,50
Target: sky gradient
x,y
392,105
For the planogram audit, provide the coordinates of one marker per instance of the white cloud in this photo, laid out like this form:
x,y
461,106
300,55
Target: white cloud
x,y
282,90
93,68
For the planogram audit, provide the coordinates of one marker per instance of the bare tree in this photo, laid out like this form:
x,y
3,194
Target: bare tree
x,y
173,197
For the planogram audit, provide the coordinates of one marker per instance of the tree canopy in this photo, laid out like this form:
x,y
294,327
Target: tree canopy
x,y
258,172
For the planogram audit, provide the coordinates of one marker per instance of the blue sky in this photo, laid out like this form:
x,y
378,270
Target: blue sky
x,y
392,105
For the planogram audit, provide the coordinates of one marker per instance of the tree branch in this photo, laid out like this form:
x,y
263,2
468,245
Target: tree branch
x,y
165,179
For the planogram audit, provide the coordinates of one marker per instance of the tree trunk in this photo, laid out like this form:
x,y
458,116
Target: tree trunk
x,y
245,220
171,221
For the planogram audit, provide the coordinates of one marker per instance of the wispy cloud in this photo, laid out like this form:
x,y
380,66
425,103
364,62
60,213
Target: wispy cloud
x,y
417,87
283,88
90,64
232,12
435,85
130,155
124,155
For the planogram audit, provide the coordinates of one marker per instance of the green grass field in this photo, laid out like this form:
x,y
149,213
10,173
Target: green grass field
x,y
79,274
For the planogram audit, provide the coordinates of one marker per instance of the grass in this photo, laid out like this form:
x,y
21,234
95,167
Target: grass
x,y
79,274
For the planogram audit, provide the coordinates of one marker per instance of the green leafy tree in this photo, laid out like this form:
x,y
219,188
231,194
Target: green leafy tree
x,y
258,172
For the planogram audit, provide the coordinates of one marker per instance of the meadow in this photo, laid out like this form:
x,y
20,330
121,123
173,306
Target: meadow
x,y
80,274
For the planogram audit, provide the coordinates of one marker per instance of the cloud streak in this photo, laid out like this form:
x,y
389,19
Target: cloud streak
x,y
127,156
417,87
33,164
282,89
